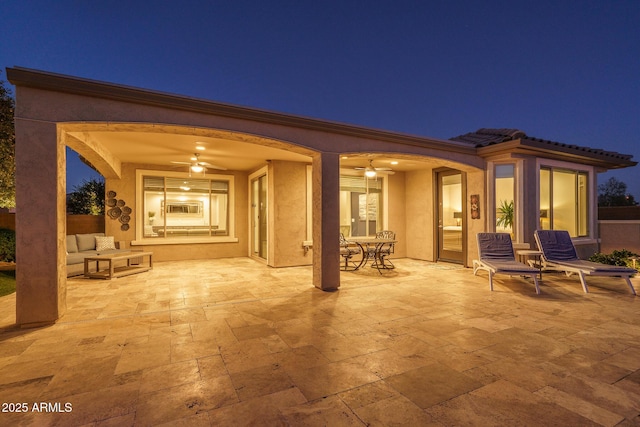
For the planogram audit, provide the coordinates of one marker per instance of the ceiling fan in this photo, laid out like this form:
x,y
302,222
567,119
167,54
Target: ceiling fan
x,y
196,166
371,171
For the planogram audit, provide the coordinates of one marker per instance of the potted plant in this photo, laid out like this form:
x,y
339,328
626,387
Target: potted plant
x,y
152,217
505,214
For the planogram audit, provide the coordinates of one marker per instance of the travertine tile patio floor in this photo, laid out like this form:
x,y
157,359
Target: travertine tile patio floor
x,y
233,342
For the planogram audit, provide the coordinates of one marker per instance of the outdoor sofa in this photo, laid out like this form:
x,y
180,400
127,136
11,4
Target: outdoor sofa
x,y
80,246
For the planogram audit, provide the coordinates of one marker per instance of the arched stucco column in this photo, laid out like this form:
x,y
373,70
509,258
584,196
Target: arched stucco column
x,y
40,224
326,221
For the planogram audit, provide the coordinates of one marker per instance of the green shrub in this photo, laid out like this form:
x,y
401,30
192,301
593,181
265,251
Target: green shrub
x,y
622,258
7,282
7,245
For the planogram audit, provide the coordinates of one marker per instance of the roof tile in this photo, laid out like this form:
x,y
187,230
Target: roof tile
x,y
486,136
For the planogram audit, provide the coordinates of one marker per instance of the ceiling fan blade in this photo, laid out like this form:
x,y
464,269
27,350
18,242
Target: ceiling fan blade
x,y
181,163
210,166
376,169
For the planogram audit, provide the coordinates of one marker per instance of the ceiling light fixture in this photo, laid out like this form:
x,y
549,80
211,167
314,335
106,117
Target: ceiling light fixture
x,y
370,171
196,167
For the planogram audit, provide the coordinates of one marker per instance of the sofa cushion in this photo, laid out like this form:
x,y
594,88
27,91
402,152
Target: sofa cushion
x,y
87,242
72,245
78,257
104,243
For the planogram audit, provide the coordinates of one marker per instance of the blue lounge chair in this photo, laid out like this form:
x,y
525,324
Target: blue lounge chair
x,y
495,251
559,253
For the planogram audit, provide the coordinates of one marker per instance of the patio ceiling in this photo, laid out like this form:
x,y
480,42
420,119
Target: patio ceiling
x,y
163,149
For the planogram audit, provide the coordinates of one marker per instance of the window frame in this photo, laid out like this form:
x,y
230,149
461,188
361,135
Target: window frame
x,y
350,172
139,219
518,194
516,220
577,170
383,208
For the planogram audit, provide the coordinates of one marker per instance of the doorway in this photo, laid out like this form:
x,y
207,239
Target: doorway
x,y
450,216
259,216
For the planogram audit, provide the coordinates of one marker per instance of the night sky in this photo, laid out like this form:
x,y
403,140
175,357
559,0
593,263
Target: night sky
x,y
566,71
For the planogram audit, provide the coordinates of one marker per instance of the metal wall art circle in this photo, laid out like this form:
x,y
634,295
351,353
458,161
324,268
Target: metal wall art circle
x,y
118,210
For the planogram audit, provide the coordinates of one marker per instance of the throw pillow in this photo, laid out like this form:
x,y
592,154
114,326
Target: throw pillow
x,y
104,243
72,245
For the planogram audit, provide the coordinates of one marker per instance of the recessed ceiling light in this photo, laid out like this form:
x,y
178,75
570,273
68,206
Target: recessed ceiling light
x,y
199,147
394,162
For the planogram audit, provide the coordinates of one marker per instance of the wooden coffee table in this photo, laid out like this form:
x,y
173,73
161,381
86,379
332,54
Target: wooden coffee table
x,y
114,270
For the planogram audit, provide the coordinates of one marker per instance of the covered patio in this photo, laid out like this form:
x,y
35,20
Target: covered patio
x,y
235,342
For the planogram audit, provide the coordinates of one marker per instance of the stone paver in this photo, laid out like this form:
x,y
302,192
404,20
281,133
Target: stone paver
x,y
233,342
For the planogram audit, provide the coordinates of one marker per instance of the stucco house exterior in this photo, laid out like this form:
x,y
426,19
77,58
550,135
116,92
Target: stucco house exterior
x,y
194,179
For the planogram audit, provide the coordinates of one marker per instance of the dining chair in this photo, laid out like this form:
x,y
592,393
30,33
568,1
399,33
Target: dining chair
x,y
383,251
347,251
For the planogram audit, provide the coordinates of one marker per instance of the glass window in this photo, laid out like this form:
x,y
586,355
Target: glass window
x,y
505,198
185,207
583,205
564,201
545,199
360,205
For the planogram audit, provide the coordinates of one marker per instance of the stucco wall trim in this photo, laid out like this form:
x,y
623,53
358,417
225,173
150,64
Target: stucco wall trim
x,y
19,76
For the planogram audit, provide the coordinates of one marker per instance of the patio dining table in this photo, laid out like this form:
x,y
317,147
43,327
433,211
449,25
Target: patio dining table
x,y
371,248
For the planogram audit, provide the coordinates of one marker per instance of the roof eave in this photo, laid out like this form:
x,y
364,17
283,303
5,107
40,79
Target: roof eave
x,y
555,152
25,77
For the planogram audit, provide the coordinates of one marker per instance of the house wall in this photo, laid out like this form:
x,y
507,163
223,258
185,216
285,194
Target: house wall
x,y
475,185
530,203
125,189
53,111
419,214
287,209
397,212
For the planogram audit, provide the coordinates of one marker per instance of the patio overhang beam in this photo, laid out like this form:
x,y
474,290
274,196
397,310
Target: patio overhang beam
x,y
19,76
94,152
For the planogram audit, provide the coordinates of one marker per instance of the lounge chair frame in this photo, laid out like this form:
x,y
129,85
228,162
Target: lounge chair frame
x,y
495,251
564,258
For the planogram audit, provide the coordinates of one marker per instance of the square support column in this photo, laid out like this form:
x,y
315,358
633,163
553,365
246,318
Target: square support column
x,y
40,224
326,221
